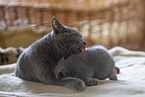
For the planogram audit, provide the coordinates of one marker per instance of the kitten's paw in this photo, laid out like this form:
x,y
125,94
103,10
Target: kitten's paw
x,y
91,81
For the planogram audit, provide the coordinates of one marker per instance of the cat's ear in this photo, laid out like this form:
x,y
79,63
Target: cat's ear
x,y
57,27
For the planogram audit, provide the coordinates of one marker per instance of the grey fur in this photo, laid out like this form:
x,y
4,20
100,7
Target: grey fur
x,y
38,61
90,65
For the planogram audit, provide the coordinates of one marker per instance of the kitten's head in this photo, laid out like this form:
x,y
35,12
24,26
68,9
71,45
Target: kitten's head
x,y
67,41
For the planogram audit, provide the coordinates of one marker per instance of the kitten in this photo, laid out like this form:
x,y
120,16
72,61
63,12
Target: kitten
x,y
90,65
38,61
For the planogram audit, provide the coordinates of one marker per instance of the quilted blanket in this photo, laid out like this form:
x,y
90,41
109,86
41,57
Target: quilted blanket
x,y
131,80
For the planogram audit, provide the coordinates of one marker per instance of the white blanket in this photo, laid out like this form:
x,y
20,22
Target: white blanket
x,y
131,81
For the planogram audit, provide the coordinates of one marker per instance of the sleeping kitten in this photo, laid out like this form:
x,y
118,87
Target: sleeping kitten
x,y
90,65
38,61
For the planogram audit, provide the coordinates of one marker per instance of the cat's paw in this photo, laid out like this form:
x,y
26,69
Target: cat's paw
x,y
91,81
74,83
79,86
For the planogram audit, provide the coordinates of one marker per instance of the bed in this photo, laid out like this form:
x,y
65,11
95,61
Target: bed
x,y
131,80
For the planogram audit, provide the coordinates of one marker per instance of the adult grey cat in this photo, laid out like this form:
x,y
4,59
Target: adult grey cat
x,y
38,61
90,65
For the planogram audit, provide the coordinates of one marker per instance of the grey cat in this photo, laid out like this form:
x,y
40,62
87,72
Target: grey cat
x,y
90,65
38,61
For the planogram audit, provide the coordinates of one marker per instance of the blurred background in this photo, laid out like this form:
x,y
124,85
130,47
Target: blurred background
x,y
107,22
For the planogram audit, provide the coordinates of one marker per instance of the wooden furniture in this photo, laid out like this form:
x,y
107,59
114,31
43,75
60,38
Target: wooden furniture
x,y
107,22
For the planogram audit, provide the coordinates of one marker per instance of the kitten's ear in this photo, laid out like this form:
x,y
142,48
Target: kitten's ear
x,y
57,27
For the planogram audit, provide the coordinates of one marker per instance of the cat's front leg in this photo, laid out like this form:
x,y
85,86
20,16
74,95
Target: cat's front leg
x,y
70,82
91,81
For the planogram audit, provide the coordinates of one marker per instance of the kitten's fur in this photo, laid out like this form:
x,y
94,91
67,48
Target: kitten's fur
x,y
90,65
38,61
